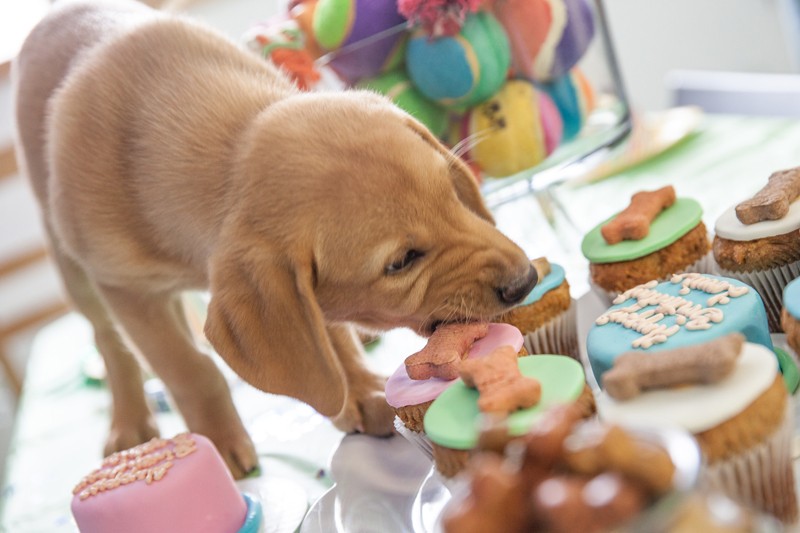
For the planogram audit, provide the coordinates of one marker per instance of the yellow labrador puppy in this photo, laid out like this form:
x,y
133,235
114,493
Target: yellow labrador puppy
x,y
165,159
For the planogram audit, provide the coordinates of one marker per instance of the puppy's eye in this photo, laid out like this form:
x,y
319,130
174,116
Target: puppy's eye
x,y
405,262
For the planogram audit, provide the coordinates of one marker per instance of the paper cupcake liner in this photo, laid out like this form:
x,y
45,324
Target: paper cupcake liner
x,y
558,336
704,265
424,445
761,477
420,440
769,284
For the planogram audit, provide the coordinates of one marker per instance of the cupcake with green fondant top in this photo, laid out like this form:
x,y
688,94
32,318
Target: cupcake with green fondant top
x,y
547,316
657,235
454,420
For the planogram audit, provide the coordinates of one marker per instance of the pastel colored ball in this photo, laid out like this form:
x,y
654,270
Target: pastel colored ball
x,y
462,70
548,37
574,98
513,131
303,14
398,87
347,24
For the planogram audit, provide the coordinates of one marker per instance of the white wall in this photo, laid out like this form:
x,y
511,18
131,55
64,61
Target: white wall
x,y
653,37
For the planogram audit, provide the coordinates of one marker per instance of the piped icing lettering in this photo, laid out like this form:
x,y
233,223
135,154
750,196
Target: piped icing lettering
x,y
148,462
687,314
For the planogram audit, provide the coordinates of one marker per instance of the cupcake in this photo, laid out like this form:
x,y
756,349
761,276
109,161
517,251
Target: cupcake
x,y
547,315
656,236
744,428
570,475
790,316
687,309
411,397
758,240
453,421
178,484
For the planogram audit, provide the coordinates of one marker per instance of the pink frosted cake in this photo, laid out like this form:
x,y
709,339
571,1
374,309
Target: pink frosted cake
x,y
179,484
411,397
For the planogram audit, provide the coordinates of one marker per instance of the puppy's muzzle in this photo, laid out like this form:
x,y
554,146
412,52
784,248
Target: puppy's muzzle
x,y
515,292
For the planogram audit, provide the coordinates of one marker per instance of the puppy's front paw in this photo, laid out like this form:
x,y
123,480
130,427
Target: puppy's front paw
x,y
368,414
236,448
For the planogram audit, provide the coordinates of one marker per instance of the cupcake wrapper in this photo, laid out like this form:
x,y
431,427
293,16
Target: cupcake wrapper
x,y
770,285
558,336
704,265
420,440
761,477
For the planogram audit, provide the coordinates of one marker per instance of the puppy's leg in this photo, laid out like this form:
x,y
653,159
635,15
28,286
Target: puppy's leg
x,y
132,422
157,325
365,408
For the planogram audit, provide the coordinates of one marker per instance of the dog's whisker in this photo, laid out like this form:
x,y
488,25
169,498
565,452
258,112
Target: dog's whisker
x,y
469,142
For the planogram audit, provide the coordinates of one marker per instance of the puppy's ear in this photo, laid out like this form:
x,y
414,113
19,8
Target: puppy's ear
x,y
264,320
464,181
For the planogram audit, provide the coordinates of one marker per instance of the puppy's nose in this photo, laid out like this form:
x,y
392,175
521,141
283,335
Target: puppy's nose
x,y
519,288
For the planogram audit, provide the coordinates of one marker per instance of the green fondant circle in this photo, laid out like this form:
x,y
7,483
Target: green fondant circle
x,y
669,226
791,374
453,418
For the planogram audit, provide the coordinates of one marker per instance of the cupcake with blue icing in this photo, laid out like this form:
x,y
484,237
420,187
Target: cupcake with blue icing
x,y
688,309
790,315
547,317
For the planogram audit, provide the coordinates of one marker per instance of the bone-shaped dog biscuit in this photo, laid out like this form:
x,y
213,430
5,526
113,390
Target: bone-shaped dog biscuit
x,y
542,266
704,363
442,355
633,222
502,387
618,451
773,200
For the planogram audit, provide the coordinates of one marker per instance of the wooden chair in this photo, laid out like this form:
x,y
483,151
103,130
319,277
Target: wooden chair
x,y
19,262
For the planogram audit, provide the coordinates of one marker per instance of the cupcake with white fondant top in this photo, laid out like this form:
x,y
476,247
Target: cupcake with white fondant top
x,y
745,425
758,240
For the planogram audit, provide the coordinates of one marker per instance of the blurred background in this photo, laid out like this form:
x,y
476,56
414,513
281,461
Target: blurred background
x,y
727,57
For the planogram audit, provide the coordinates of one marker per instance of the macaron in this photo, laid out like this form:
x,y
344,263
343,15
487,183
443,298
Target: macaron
x,y
360,32
548,37
398,87
514,130
462,70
